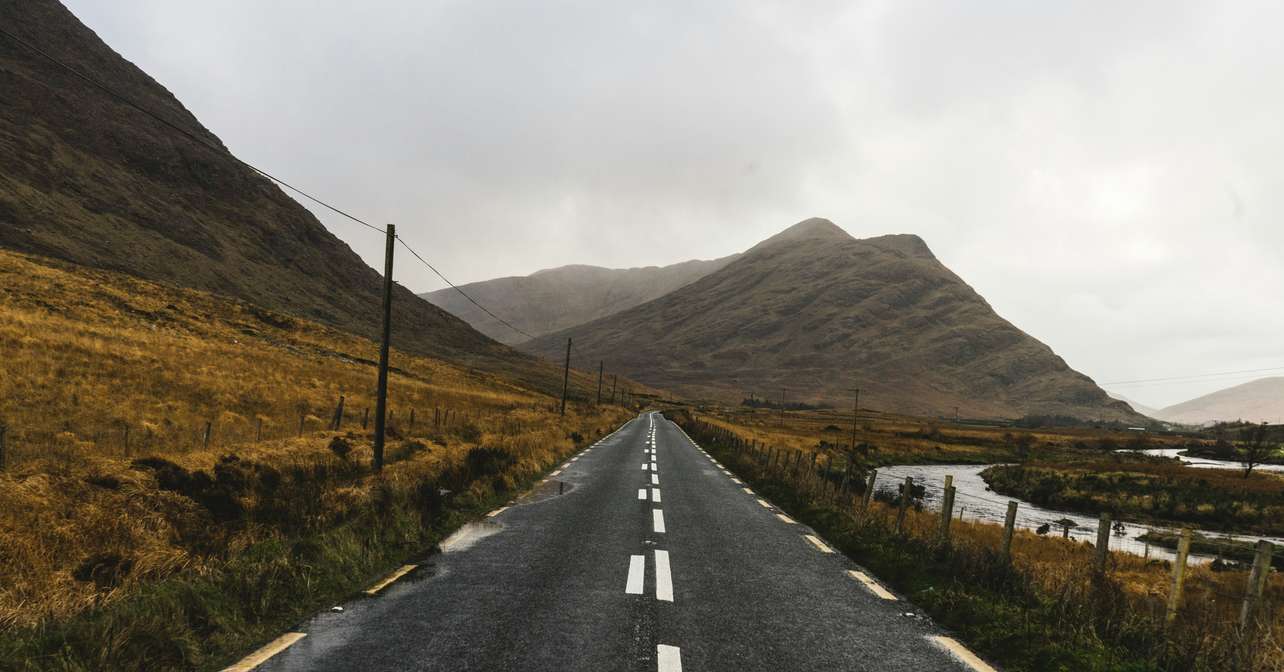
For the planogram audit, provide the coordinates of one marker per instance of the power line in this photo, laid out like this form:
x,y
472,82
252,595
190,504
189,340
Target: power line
x,y
1193,377
222,151
186,133
462,293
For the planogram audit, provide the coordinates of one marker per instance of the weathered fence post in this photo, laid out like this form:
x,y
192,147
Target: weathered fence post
x,y
1009,527
258,430
126,440
301,416
209,427
1256,583
337,421
906,493
869,489
1103,542
412,418
947,509
3,430
1179,576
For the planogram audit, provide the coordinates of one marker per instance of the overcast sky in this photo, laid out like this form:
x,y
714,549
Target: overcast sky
x,y
1110,176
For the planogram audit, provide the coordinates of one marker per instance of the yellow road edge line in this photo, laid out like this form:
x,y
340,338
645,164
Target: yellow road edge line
x,y
873,586
961,652
387,580
815,541
267,651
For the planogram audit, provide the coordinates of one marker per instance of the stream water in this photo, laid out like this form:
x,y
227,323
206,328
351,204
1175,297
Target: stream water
x,y
975,502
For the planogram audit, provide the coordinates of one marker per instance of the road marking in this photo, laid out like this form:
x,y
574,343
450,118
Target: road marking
x,y
644,466
737,481
655,479
556,472
270,649
663,577
637,569
959,651
496,512
815,541
653,467
871,584
763,502
785,518
387,580
657,520
655,495
747,490
641,493
668,658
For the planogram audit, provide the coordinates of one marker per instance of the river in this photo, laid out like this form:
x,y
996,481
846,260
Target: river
x,y
975,502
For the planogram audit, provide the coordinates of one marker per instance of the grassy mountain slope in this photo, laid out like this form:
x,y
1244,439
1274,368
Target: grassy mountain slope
x,y
558,298
1261,400
88,179
818,312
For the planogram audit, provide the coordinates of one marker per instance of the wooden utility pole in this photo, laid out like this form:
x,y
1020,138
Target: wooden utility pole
x,y
601,366
614,379
855,413
381,393
566,375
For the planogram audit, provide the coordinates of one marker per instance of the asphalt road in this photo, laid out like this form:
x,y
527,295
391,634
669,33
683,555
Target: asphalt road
x,y
649,561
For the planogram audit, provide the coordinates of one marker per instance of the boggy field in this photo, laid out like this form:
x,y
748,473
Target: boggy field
x,y
130,541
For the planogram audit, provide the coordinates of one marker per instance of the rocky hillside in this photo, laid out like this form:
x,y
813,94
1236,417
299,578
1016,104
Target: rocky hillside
x,y
817,312
1261,400
558,298
88,179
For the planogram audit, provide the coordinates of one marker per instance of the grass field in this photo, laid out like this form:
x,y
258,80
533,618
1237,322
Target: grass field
x,y
1046,609
161,552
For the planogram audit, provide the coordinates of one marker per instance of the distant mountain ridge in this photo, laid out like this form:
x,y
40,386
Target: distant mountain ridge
x,y
1260,400
556,298
88,179
817,312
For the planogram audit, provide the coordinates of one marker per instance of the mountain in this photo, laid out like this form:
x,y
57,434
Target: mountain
x,y
558,298
1261,400
817,312
86,178
1136,406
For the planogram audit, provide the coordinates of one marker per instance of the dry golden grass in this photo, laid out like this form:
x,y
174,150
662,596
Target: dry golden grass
x,y
89,353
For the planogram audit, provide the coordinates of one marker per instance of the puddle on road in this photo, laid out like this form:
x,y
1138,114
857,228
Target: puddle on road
x,y
469,534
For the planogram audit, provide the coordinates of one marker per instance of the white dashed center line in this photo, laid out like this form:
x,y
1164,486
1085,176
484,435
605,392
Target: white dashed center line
x,y
637,569
657,520
668,658
663,579
655,495
655,479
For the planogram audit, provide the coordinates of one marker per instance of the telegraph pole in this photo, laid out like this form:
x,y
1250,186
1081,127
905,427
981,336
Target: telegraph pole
x,y
566,375
855,413
600,367
381,398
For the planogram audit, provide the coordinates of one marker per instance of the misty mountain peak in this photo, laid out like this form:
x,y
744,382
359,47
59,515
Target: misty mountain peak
x,y
816,228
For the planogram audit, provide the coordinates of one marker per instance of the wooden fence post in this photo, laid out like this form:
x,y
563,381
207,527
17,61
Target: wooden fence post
x,y
947,509
869,489
126,440
412,418
1103,542
1179,576
4,429
301,416
258,430
1256,583
1009,527
337,421
905,498
209,426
